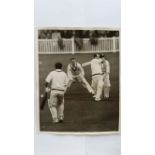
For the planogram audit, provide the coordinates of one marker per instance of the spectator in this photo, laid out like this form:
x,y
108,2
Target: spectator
x,y
80,33
78,40
93,37
49,35
57,36
67,34
41,35
86,34
103,34
117,34
111,34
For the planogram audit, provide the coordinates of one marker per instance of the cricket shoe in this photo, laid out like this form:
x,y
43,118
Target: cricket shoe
x,y
61,120
97,99
94,96
92,92
106,98
55,120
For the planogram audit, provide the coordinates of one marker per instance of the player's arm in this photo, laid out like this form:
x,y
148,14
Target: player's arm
x,y
107,70
69,73
86,64
48,81
81,70
100,60
107,67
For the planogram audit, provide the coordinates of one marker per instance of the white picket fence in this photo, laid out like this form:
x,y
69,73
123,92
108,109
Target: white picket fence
x,y
50,46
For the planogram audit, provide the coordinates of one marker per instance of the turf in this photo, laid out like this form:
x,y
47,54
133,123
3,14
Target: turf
x,y
81,112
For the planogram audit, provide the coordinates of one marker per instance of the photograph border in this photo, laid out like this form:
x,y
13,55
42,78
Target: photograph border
x,y
36,83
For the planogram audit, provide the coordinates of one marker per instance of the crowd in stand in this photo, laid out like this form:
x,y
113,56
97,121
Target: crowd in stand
x,y
78,35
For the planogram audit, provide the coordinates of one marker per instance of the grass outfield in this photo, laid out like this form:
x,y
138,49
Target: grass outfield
x,y
81,112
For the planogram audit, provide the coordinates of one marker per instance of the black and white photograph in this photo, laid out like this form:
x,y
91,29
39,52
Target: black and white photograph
x,y
78,80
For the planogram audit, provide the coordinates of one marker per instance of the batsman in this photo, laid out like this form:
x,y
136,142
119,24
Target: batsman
x,y
56,84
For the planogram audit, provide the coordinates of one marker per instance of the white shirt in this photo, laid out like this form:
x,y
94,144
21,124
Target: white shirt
x,y
58,79
74,71
56,35
96,66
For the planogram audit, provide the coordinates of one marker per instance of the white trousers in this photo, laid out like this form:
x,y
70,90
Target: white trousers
x,y
97,85
56,105
107,86
81,79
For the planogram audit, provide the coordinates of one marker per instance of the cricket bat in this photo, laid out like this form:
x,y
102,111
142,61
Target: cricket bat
x,y
43,101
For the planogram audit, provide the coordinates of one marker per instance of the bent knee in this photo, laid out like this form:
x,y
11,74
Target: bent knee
x,y
52,104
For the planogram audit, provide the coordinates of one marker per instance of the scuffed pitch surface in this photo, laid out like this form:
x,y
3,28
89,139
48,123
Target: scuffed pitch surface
x,y
82,113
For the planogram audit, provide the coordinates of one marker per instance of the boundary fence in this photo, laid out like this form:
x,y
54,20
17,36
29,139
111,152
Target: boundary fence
x,y
51,46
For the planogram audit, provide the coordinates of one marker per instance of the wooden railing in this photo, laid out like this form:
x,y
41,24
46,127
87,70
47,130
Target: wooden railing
x,y
51,46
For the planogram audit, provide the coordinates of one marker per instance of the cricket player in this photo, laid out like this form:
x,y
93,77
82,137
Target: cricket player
x,y
97,76
75,72
106,73
56,83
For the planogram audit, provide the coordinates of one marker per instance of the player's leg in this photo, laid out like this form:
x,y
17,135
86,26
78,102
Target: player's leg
x,y
53,106
85,84
61,108
100,84
106,92
106,87
94,85
70,81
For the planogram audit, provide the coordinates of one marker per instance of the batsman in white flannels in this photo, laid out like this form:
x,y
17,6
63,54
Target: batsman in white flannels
x,y
106,74
56,82
97,76
75,72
